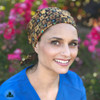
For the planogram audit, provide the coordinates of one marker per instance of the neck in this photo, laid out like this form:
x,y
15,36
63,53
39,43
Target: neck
x,y
44,78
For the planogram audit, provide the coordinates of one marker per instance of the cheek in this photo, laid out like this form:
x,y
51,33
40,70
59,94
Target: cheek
x,y
74,52
48,51
51,51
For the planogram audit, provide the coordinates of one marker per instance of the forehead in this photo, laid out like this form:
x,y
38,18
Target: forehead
x,y
61,30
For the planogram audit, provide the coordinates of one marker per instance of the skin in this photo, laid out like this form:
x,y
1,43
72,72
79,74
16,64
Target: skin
x,y
60,42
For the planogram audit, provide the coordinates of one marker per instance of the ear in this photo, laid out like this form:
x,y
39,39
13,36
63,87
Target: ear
x,y
36,48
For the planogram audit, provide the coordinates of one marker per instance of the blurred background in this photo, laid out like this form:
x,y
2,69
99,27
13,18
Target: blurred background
x,y
14,16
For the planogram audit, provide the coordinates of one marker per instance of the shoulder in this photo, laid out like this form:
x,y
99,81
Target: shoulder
x,y
12,81
13,84
73,80
72,85
16,79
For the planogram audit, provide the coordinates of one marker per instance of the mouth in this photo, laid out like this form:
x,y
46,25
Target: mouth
x,y
62,62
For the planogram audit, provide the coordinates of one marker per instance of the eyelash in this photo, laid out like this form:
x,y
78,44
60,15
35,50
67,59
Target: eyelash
x,y
55,42
74,44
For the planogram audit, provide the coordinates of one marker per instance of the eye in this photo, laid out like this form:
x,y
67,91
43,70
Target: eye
x,y
73,44
55,42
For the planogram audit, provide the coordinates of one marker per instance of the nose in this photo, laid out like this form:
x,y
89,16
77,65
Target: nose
x,y
66,51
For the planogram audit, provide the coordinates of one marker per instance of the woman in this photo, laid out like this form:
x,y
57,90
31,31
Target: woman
x,y
53,35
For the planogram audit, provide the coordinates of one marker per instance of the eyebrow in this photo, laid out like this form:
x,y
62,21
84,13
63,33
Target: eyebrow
x,y
57,38
75,40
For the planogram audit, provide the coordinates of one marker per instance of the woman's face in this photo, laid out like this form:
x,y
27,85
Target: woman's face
x,y
58,48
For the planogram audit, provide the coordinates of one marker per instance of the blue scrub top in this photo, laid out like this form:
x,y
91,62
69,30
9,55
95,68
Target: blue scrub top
x,y
18,87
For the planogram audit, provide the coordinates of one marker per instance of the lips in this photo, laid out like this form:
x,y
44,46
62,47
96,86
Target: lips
x,y
62,62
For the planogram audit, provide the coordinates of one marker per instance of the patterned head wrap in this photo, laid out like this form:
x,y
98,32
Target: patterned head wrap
x,y
45,18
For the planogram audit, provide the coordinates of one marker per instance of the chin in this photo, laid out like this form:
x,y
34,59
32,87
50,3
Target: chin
x,y
62,71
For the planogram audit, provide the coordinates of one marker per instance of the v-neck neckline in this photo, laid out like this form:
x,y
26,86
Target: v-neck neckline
x,y
35,94
59,89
